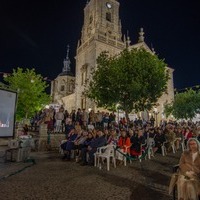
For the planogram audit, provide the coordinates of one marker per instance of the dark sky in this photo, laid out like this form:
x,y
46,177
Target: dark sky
x,y
36,34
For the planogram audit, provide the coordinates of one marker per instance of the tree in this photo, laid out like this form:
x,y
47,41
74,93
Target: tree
x,y
31,91
135,79
185,105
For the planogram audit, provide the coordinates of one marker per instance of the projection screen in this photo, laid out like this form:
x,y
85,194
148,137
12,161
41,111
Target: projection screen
x,y
7,112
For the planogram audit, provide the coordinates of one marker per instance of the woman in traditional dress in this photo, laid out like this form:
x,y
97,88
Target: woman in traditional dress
x,y
188,183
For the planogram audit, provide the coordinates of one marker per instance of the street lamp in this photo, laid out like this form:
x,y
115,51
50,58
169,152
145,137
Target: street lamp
x,y
156,115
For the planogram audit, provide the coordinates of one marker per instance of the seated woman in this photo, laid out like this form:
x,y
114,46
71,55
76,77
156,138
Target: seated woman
x,y
188,183
179,137
170,137
69,144
112,139
79,143
137,140
123,145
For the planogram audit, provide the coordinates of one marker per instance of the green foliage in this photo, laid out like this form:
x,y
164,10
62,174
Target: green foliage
x,y
135,79
31,91
185,105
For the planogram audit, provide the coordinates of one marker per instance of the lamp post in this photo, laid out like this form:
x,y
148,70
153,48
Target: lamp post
x,y
156,115
117,107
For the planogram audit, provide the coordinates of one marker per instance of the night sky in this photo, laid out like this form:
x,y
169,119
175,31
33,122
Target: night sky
x,y
35,34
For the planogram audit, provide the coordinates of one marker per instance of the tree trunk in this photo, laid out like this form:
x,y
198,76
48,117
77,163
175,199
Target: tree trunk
x,y
127,117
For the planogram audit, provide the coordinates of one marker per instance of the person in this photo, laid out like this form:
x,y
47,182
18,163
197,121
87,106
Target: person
x,y
25,129
188,183
170,137
137,140
99,141
83,148
69,145
159,140
112,139
187,134
123,146
59,117
68,128
152,120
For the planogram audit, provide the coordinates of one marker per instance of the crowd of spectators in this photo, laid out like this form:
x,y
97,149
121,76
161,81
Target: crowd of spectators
x,y
86,131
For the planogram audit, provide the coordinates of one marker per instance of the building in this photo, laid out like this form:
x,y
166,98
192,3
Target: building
x,y
102,30
64,84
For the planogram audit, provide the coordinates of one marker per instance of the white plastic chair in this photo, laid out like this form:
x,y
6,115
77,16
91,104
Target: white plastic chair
x,y
164,149
150,145
105,152
173,146
150,152
126,152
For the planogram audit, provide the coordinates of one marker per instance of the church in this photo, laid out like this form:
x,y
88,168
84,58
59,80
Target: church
x,y
101,30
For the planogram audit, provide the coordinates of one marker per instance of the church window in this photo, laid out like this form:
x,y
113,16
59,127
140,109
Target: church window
x,y
62,88
83,74
83,77
91,19
83,103
71,86
108,16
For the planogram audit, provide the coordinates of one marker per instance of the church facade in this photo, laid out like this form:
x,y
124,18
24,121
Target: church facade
x,y
102,30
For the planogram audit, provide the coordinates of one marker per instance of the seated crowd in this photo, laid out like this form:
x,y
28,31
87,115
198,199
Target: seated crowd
x,y
131,140
86,131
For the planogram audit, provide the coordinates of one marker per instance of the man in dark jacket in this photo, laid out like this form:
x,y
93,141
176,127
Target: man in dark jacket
x,y
99,141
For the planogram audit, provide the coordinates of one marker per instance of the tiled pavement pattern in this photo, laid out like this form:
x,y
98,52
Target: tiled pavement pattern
x,y
53,179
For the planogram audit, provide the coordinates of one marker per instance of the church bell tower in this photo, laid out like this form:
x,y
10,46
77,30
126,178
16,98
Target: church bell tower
x,y
101,31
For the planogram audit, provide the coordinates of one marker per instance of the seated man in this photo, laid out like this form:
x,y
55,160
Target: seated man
x,y
99,141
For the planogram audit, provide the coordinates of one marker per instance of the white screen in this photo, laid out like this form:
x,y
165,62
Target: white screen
x,y
7,113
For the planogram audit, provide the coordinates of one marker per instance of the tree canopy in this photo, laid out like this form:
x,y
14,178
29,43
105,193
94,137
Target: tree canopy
x,y
185,105
31,91
135,80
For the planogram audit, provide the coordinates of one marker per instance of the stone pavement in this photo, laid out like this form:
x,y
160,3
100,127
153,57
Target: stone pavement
x,y
53,179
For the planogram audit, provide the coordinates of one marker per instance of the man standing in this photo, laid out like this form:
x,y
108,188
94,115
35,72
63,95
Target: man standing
x,y
59,117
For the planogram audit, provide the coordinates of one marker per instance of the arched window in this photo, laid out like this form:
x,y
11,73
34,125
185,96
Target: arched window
x,y
62,88
91,19
108,16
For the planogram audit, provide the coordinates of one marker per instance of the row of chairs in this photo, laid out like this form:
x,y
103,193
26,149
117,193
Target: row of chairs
x,y
173,146
108,153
